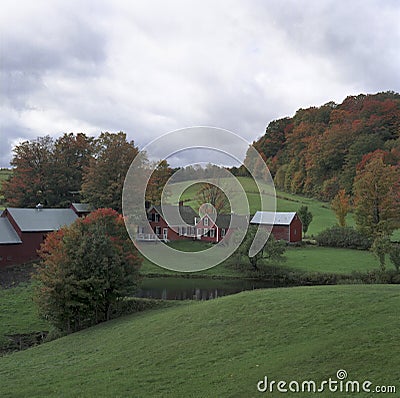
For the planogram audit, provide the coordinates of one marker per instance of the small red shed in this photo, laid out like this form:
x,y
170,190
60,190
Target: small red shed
x,y
285,225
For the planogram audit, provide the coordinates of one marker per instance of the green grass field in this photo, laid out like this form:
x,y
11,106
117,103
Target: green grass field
x,y
18,313
221,348
308,258
332,260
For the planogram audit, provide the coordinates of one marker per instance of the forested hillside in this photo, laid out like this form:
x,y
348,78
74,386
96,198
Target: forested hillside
x,y
318,150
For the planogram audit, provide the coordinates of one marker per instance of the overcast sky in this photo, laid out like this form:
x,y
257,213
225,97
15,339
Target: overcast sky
x,y
149,67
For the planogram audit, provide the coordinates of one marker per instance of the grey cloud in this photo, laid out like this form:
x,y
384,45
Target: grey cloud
x,y
147,68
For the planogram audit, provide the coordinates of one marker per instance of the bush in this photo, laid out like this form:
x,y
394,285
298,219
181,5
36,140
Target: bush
x,y
130,305
86,268
346,237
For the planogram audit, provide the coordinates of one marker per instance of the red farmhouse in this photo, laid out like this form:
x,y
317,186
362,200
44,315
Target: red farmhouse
x,y
192,227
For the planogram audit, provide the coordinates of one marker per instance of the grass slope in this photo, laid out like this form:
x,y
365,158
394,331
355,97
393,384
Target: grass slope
x,y
308,258
18,313
323,215
221,348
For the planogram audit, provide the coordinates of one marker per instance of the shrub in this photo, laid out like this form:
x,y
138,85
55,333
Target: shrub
x,y
86,269
346,237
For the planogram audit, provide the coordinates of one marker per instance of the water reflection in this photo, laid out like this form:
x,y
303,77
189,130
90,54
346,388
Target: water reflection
x,y
195,288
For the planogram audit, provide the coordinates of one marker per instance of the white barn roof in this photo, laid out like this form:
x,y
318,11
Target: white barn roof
x,y
271,218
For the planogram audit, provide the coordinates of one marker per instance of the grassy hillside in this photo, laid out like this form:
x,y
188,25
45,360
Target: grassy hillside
x,y
323,215
221,348
308,258
18,314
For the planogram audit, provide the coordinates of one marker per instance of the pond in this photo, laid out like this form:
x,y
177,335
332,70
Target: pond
x,y
171,288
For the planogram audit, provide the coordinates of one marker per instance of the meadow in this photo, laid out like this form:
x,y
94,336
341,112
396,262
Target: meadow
x,y
221,348
323,216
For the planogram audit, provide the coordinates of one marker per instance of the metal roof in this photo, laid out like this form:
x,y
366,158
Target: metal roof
x,y
186,212
231,220
82,207
42,220
271,218
7,232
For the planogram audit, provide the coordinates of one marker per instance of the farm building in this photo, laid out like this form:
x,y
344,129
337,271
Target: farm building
x,y
81,209
23,230
211,229
193,226
285,225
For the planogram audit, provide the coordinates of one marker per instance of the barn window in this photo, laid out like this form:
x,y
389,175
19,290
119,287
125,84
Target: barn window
x,y
223,232
156,217
9,258
205,231
212,233
206,221
295,231
157,230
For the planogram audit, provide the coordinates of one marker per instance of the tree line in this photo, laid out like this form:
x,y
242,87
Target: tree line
x,y
347,154
75,167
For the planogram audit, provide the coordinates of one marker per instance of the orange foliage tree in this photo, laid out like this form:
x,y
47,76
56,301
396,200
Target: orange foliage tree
x,y
86,268
341,206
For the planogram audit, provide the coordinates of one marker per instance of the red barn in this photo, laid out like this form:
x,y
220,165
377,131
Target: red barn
x,y
285,225
22,231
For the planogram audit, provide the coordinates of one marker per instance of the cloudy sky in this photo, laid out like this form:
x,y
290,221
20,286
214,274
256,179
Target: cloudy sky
x,y
148,67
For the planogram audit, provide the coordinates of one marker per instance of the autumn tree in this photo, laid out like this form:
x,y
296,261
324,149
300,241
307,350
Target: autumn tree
x,y
31,165
103,179
377,195
48,171
306,217
86,268
210,193
341,206
157,182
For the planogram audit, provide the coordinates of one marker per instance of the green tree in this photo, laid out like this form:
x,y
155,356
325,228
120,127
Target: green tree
x,y
273,249
157,182
103,179
377,195
305,217
86,269
210,193
341,206
71,155
381,247
394,255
